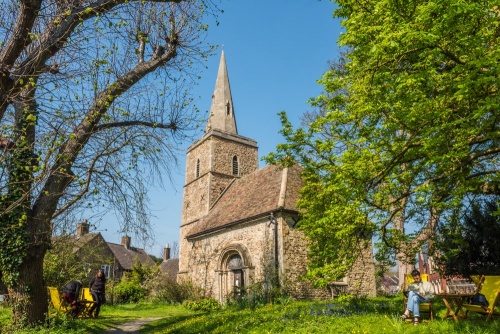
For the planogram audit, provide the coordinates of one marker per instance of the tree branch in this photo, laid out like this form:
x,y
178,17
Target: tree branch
x,y
171,126
59,179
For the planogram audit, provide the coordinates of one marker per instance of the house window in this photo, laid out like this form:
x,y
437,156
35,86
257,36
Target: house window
x,y
198,168
236,169
106,269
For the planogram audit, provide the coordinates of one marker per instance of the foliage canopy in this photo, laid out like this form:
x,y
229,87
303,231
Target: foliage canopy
x,y
407,130
469,244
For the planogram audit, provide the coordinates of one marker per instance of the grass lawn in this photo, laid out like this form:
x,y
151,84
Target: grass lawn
x,y
377,315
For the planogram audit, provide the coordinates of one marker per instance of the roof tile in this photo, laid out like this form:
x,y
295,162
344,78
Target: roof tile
x,y
252,195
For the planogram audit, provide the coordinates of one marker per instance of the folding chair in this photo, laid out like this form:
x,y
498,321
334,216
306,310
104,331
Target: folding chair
x,y
489,286
423,307
59,305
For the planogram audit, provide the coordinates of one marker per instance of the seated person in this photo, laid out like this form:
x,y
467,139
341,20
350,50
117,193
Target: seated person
x,y
70,295
418,292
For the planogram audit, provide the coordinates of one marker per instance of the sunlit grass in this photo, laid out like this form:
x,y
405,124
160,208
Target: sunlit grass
x,y
375,315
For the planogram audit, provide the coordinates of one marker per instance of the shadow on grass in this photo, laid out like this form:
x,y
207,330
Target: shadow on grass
x,y
104,323
165,325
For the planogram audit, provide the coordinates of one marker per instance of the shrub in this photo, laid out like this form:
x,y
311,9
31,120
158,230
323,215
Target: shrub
x,y
175,293
128,292
258,294
163,288
345,298
204,304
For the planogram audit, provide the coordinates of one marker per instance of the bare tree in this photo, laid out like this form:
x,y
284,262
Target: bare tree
x,y
93,102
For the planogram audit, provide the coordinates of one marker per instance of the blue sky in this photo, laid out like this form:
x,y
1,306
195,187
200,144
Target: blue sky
x,y
275,52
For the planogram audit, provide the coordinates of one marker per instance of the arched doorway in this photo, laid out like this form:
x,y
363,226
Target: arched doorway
x,y
235,264
235,272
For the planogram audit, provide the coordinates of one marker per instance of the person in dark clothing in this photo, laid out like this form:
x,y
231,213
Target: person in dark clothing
x,y
98,291
70,295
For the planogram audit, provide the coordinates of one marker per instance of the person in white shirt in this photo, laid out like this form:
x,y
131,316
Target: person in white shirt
x,y
418,292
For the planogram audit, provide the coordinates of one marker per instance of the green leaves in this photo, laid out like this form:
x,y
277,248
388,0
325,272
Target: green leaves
x,y
408,125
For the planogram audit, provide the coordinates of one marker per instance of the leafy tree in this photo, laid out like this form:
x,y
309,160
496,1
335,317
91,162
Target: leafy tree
x,y
131,288
469,244
62,265
68,259
93,101
408,126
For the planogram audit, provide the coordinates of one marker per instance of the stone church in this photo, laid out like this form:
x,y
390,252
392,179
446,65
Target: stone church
x,y
239,222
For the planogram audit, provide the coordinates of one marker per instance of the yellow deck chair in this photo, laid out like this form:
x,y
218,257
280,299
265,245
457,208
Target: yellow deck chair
x,y
476,279
423,307
489,286
86,303
85,294
55,298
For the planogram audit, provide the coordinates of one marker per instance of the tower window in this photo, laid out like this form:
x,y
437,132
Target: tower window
x,y
198,168
228,109
236,167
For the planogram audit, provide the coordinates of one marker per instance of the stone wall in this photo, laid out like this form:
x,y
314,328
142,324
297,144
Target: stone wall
x,y
201,151
360,280
206,256
294,259
223,152
255,240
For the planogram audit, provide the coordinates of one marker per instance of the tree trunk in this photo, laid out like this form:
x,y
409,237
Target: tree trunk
x,y
403,269
29,295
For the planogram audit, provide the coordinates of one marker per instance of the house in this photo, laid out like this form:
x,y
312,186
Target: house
x,y
448,284
169,266
389,284
239,222
95,252
125,256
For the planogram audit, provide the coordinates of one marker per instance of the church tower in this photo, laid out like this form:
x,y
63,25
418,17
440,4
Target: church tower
x,y
216,159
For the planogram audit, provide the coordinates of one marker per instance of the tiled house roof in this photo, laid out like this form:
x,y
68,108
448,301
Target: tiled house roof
x,y
390,281
269,189
94,250
170,267
126,257
80,241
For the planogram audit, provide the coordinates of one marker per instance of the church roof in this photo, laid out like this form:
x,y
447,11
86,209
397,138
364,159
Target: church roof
x,y
258,194
222,110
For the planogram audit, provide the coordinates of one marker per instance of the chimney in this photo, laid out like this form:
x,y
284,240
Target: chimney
x,y
166,252
82,228
126,241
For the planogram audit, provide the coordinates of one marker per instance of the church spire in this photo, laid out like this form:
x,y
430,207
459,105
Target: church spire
x,y
222,110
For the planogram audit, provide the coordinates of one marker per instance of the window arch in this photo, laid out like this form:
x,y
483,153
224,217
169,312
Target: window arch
x,y
198,168
235,262
236,167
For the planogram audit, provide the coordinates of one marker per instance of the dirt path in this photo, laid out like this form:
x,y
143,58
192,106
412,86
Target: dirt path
x,y
131,327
